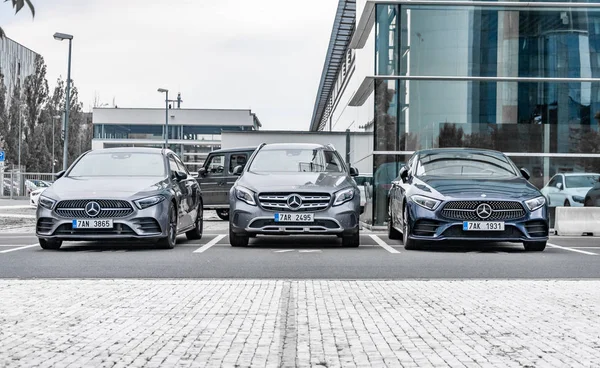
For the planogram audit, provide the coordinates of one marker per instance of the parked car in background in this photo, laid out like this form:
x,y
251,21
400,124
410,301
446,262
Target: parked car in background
x,y
295,188
365,184
592,197
216,177
569,189
466,194
119,194
34,196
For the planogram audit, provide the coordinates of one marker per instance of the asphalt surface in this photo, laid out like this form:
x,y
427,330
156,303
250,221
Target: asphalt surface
x,y
296,257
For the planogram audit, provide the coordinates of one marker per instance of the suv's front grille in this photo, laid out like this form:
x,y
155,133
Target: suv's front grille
x,y
307,201
109,208
466,210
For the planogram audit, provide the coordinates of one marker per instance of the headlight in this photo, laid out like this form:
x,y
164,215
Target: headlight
x,y
426,202
46,202
535,203
578,199
343,196
148,201
246,195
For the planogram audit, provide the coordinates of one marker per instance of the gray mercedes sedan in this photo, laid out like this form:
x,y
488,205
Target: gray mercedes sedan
x,y
121,193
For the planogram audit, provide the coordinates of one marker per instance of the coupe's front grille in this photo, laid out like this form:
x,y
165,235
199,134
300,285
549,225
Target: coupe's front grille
x,y
537,228
329,224
109,208
308,201
466,210
117,229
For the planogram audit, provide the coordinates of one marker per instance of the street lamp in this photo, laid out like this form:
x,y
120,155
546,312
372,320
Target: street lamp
x,y
53,139
60,37
21,106
166,91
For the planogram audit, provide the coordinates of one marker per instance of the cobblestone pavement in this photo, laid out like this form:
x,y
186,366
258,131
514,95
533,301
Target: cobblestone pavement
x,y
214,323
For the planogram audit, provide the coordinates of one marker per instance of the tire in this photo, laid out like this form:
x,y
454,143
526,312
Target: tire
x,y
223,214
534,246
567,203
238,240
409,244
170,240
50,244
351,241
588,203
196,232
392,232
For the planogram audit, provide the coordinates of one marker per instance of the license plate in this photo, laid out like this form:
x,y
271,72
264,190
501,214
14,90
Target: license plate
x,y
294,217
483,226
92,224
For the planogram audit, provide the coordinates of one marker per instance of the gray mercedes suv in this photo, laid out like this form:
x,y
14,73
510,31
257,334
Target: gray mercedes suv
x,y
294,188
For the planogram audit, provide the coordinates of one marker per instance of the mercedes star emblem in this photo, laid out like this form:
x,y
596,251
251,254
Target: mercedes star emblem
x,y
294,202
484,211
92,209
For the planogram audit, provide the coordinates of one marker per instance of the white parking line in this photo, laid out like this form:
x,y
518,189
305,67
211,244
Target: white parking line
x,y
571,249
382,244
207,246
310,251
284,250
23,247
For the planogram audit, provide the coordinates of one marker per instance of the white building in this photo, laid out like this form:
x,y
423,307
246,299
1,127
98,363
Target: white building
x,y
192,132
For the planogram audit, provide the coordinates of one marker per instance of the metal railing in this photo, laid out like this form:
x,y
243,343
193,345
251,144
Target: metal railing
x,y
17,184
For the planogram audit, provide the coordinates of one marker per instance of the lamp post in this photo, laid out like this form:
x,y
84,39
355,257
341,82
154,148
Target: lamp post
x,y
21,106
60,37
166,91
53,139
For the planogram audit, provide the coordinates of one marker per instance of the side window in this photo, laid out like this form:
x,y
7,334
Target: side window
x,y
172,164
237,159
553,181
215,164
181,166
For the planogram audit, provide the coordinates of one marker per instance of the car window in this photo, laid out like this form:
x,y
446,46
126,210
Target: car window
x,y
237,159
581,181
215,164
119,164
553,181
181,165
297,160
173,165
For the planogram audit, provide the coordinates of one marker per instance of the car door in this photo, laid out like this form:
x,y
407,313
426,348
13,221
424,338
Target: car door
x,y
192,193
554,192
181,193
212,181
233,159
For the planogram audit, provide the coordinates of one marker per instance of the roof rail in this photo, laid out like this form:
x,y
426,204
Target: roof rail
x,y
329,145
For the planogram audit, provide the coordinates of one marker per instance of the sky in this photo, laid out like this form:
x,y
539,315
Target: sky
x,y
263,55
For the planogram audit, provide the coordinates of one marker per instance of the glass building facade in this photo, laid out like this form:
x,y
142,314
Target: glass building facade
x,y
524,80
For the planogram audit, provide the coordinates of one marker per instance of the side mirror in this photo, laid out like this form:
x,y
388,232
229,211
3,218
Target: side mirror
x,y
179,175
559,186
60,174
353,171
525,173
201,172
403,173
238,170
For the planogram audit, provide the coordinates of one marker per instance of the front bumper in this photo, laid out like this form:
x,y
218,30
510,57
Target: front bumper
x,y
338,220
431,226
149,223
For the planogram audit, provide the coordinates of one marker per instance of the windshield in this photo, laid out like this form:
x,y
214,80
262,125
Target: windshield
x,y
119,164
581,181
464,164
296,160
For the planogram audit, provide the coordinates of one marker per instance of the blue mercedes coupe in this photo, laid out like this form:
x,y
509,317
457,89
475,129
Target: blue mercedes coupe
x,y
466,194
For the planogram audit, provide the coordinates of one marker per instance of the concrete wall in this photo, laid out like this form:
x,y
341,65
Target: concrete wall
x,y
176,116
360,143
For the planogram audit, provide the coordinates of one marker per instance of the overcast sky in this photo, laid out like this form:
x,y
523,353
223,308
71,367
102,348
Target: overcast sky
x,y
266,55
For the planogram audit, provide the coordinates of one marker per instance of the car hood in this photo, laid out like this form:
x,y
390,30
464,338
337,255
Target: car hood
x,y
103,187
458,188
329,182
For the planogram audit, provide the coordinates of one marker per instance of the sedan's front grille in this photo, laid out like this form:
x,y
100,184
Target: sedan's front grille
x,y
329,224
109,208
466,210
308,201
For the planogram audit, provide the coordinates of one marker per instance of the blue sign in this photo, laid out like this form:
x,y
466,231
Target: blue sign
x,y
1,155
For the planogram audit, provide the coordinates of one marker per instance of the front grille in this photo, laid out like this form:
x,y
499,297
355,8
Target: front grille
x,y
118,229
109,208
465,210
44,225
268,222
537,228
425,227
457,231
147,225
310,201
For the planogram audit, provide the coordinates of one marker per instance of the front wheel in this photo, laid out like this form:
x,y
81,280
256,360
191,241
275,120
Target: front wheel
x,y
534,246
238,240
409,243
196,232
392,232
567,203
351,241
223,214
171,239
51,244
